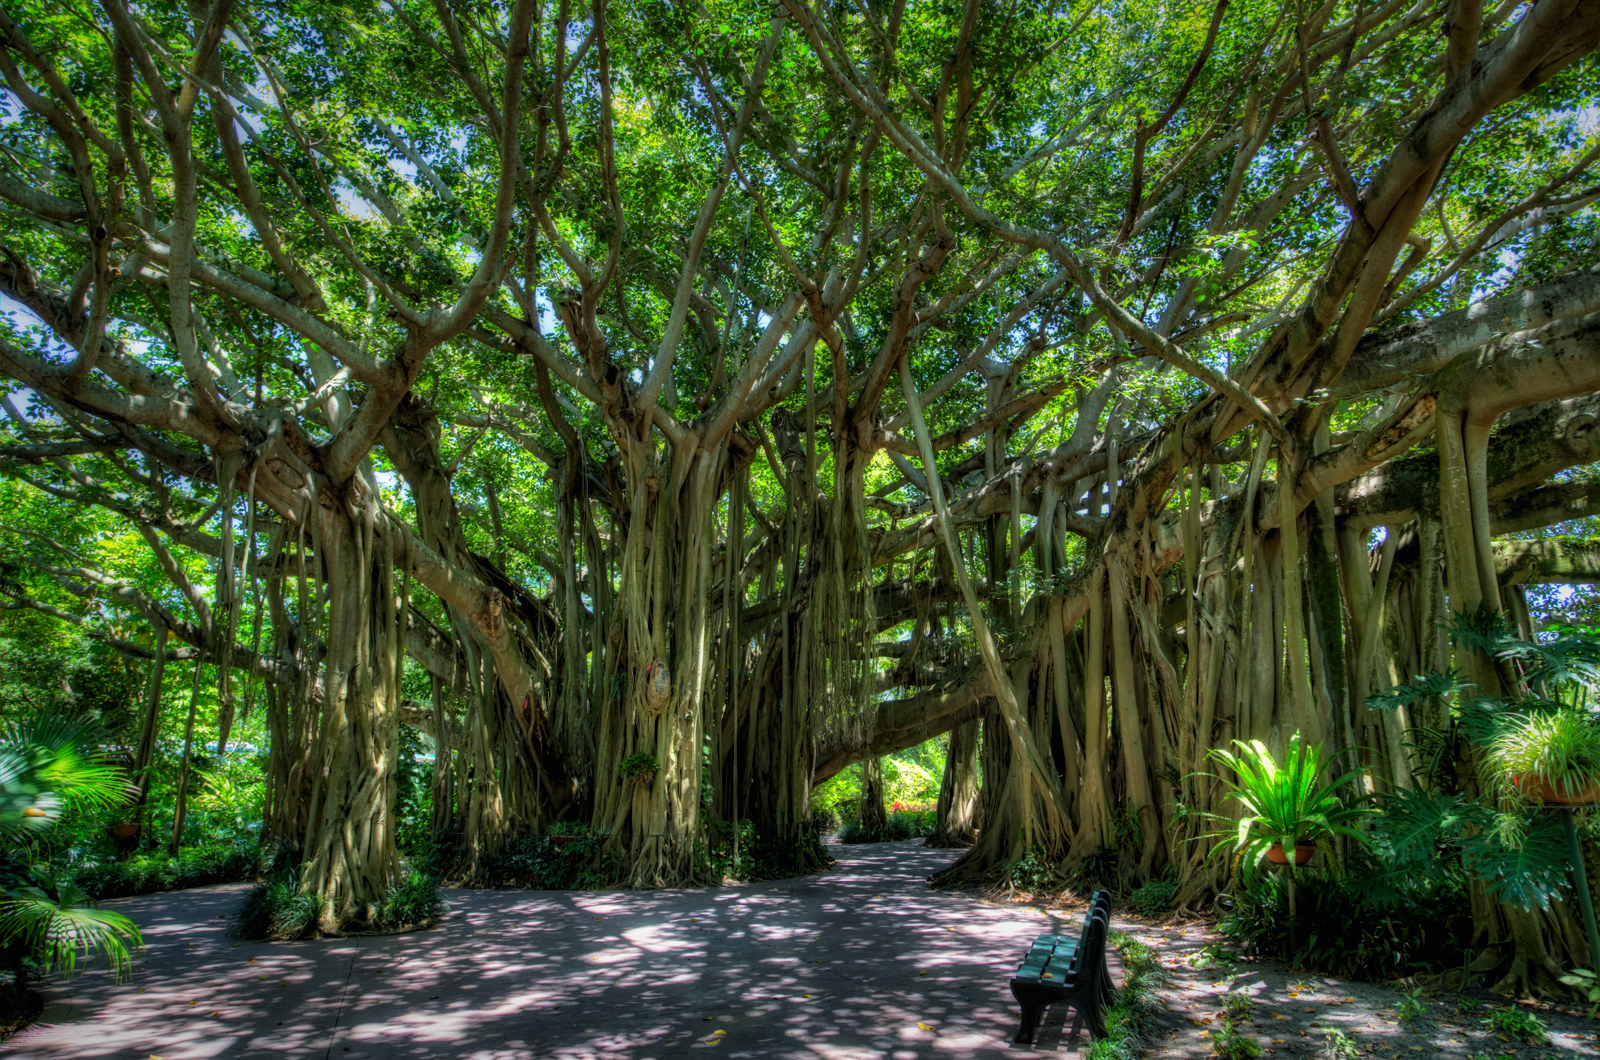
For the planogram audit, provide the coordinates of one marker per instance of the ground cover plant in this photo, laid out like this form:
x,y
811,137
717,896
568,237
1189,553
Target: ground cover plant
x,y
615,445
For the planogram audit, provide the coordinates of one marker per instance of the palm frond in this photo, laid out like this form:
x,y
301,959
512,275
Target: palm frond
x,y
57,928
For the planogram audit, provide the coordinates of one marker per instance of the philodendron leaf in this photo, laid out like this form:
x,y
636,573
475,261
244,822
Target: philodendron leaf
x,y
1420,689
1529,874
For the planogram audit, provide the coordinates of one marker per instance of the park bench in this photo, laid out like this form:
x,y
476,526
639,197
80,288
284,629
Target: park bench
x,y
1061,969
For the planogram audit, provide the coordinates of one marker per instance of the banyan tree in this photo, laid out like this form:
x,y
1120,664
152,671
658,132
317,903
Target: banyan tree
x,y
666,407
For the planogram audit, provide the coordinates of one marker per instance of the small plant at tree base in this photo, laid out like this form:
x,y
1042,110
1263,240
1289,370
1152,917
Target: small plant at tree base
x,y
641,767
1515,1023
1468,1005
1212,955
1154,898
1238,1004
1337,1045
1232,1044
1586,984
1409,1008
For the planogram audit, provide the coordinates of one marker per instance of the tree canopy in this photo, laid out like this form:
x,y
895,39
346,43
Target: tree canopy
x,y
666,406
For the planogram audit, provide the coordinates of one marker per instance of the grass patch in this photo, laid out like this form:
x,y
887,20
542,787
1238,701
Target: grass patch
x,y
1129,1018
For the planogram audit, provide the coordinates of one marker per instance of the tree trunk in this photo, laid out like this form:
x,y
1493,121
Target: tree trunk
x,y
874,815
958,790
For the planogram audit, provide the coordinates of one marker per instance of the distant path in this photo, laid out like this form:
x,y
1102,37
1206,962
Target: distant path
x,y
841,965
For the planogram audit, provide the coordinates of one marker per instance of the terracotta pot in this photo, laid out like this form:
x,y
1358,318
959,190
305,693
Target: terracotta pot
x,y
1536,787
563,840
124,837
1302,853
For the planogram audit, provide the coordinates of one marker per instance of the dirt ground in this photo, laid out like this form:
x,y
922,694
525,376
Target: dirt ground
x,y
1291,1014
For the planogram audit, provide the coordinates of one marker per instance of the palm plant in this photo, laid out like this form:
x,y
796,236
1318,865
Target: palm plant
x,y
47,763
53,923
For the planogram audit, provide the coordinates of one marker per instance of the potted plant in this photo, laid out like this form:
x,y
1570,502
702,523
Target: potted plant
x,y
1284,806
1550,756
124,837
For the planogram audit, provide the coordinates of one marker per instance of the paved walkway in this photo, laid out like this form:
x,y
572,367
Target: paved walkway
x,y
860,961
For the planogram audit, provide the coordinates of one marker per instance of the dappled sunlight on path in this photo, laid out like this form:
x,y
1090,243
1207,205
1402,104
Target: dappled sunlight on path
x,y
860,961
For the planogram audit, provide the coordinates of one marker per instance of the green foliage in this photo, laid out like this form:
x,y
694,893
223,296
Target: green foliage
x,y
1364,925
276,909
1153,898
1587,984
1560,747
1410,1006
1337,1045
413,800
412,902
1230,1043
910,777
641,767
898,826
1212,955
758,857
1238,1004
49,762
55,922
1283,804
148,873
1514,1022
1033,873
1520,855
46,763
572,858
1128,1019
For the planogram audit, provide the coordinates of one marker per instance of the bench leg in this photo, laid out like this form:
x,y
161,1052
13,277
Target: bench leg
x,y
1030,1023
1095,1015
1033,1003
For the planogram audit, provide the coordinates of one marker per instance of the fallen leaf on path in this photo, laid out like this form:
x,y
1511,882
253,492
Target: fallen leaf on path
x,y
924,1026
715,1034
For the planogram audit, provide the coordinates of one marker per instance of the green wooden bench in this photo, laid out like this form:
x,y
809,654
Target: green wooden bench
x,y
1060,969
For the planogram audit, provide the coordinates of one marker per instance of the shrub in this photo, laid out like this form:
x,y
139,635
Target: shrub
x,y
1154,898
148,873
899,826
1378,929
275,909
570,856
413,902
